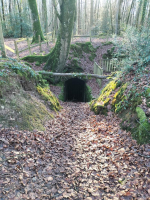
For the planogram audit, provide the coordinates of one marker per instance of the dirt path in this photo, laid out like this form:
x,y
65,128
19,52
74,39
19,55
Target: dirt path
x,y
79,156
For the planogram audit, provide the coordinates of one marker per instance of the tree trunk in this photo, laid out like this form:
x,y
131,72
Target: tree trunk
x,y
91,16
144,11
118,17
58,56
79,17
148,17
85,25
138,14
2,46
20,17
111,17
129,14
10,8
44,16
3,13
36,22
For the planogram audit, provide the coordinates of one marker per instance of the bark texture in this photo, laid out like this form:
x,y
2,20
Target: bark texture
x,y
144,12
58,56
36,22
44,15
2,46
118,17
86,76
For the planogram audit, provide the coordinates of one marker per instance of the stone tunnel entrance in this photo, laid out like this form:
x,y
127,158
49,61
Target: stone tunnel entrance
x,y
75,90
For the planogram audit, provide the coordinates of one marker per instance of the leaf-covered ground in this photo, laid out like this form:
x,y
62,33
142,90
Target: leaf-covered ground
x,y
79,156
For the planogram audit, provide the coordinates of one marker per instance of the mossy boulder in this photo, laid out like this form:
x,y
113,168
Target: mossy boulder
x,y
99,105
144,127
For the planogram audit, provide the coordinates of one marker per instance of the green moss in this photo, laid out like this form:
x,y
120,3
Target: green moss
x,y
118,98
36,22
107,43
88,93
109,54
77,50
33,115
92,56
99,105
87,47
144,127
18,108
73,66
53,56
26,63
48,96
148,92
23,111
37,63
61,95
34,58
13,67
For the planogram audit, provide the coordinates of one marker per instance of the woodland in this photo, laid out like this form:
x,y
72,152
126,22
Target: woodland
x,y
75,99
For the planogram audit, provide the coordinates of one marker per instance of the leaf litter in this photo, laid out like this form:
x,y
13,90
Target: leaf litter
x,y
79,156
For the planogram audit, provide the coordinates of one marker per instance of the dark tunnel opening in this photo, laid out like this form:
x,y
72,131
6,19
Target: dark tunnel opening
x,y
74,90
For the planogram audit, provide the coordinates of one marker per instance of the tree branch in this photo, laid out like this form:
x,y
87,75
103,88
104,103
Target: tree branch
x,y
73,75
56,11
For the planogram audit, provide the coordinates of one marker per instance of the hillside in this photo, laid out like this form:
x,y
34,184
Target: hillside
x,y
26,101
128,95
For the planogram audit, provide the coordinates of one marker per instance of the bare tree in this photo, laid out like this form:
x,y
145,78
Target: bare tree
x,y
118,17
91,15
44,16
2,46
138,14
144,11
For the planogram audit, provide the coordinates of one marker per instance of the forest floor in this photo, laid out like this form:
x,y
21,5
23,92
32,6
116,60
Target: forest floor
x,y
79,156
